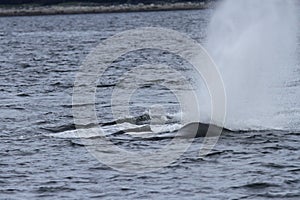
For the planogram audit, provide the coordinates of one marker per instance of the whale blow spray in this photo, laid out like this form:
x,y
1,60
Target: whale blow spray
x,y
253,43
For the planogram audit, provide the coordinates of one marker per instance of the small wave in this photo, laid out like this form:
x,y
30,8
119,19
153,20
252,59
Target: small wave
x,y
54,189
281,195
59,129
258,185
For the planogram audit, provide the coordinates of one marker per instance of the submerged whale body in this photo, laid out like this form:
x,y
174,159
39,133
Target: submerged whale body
x,y
191,130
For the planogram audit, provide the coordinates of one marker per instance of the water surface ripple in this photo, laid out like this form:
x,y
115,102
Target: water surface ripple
x,y
39,57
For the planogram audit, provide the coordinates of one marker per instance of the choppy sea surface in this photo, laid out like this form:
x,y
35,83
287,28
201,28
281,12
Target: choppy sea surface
x,y
41,158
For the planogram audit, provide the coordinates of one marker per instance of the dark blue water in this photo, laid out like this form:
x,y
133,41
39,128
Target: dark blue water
x,y
39,58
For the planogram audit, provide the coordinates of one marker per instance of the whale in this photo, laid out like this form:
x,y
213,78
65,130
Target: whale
x,y
198,129
190,130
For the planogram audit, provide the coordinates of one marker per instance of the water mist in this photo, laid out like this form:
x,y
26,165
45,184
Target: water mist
x,y
253,43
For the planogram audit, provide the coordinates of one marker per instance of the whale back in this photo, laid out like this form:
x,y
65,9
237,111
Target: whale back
x,y
197,129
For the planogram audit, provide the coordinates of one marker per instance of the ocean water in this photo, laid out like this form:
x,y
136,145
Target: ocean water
x,y
42,158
